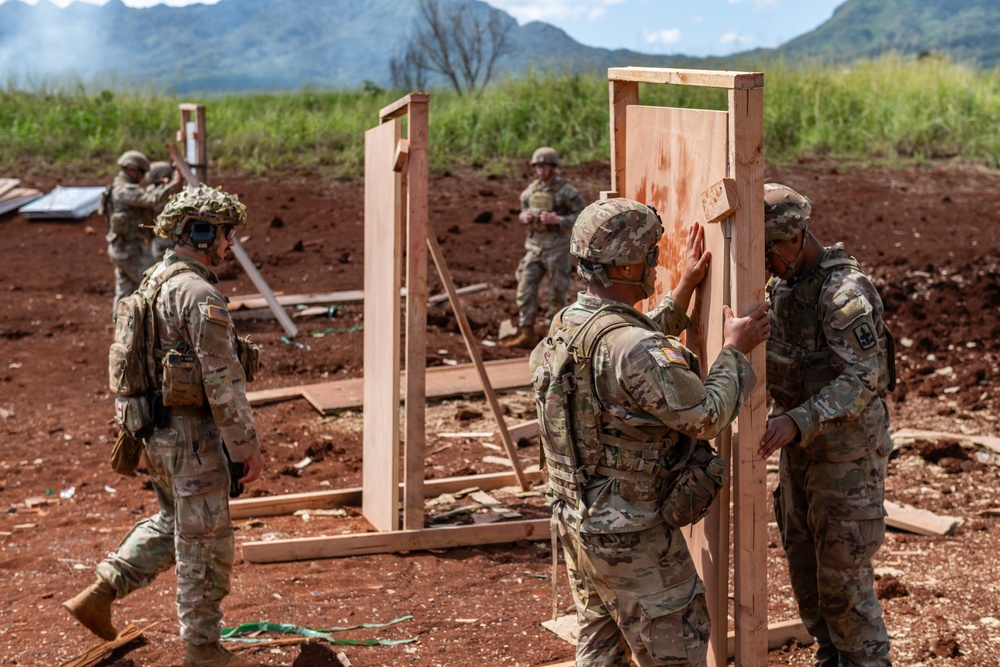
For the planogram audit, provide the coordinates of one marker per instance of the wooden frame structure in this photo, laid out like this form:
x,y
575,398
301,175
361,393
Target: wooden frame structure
x,y
396,173
193,139
700,165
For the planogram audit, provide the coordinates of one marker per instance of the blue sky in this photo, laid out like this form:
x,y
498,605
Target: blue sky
x,y
702,28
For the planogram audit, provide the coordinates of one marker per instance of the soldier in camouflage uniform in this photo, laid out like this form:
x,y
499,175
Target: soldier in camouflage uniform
x,y
549,206
829,364
130,207
633,580
160,173
208,420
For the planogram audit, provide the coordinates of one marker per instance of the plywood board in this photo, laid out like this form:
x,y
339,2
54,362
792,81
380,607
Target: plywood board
x,y
672,156
921,522
442,381
383,252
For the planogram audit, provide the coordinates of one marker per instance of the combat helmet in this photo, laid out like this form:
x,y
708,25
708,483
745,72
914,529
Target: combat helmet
x,y
159,170
786,212
194,217
616,232
545,155
134,160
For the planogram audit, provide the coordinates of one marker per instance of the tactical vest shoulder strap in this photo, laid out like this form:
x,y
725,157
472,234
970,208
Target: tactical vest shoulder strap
x,y
150,290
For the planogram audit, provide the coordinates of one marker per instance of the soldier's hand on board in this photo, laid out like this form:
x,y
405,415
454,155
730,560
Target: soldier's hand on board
x,y
746,333
526,217
780,431
696,258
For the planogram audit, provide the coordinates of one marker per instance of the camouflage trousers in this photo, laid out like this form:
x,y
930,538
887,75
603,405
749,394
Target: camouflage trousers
x,y
130,261
832,521
537,263
635,593
192,530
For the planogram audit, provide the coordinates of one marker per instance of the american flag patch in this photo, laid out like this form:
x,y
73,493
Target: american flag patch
x,y
673,356
217,314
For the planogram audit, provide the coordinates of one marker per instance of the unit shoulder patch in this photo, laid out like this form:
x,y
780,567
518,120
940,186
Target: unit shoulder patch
x,y
866,337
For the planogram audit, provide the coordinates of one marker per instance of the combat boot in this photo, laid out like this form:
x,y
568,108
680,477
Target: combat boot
x,y
213,655
526,338
92,608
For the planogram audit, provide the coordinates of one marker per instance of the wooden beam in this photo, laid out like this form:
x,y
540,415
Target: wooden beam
x,y
311,548
401,106
416,164
401,156
746,132
239,252
688,77
621,94
245,508
473,347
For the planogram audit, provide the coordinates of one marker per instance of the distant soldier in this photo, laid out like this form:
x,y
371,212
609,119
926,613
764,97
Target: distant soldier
x,y
201,420
829,364
549,206
624,417
128,207
160,173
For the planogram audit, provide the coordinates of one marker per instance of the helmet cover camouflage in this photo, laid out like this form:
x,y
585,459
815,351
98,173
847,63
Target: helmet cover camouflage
x,y
545,155
786,212
158,171
204,203
133,160
618,231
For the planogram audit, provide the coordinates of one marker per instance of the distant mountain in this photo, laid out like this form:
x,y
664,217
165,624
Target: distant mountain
x,y
965,30
247,45
254,44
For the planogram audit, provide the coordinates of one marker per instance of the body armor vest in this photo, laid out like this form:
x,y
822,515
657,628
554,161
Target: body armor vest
x,y
580,438
799,361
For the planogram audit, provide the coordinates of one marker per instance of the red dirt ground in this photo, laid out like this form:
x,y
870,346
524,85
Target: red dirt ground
x,y
927,235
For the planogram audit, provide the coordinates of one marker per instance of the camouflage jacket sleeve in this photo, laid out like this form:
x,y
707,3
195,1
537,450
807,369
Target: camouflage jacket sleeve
x,y
134,195
845,312
569,204
653,373
668,317
207,327
526,195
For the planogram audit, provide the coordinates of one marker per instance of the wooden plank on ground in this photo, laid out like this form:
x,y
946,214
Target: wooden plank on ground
x,y
921,522
442,381
256,302
244,508
8,184
991,442
99,652
311,548
265,396
380,385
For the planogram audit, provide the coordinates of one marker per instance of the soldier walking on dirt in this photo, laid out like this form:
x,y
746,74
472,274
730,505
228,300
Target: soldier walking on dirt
x,y
549,206
160,173
201,419
624,439
128,208
829,364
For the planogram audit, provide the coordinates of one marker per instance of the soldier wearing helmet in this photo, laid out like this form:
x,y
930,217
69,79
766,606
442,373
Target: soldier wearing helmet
x,y
829,366
160,173
625,438
549,206
128,207
202,420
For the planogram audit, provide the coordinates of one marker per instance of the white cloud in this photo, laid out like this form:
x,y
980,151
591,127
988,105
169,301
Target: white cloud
x,y
735,38
555,10
671,36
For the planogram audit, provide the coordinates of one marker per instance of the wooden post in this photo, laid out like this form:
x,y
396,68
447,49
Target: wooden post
x,y
746,122
193,138
416,313
622,94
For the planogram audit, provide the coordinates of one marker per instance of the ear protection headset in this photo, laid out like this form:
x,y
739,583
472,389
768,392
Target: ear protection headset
x,y
201,235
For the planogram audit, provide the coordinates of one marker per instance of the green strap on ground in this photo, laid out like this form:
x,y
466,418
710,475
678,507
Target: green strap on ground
x,y
232,634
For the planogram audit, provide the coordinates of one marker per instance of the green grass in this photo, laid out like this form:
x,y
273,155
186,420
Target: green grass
x,y
887,110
